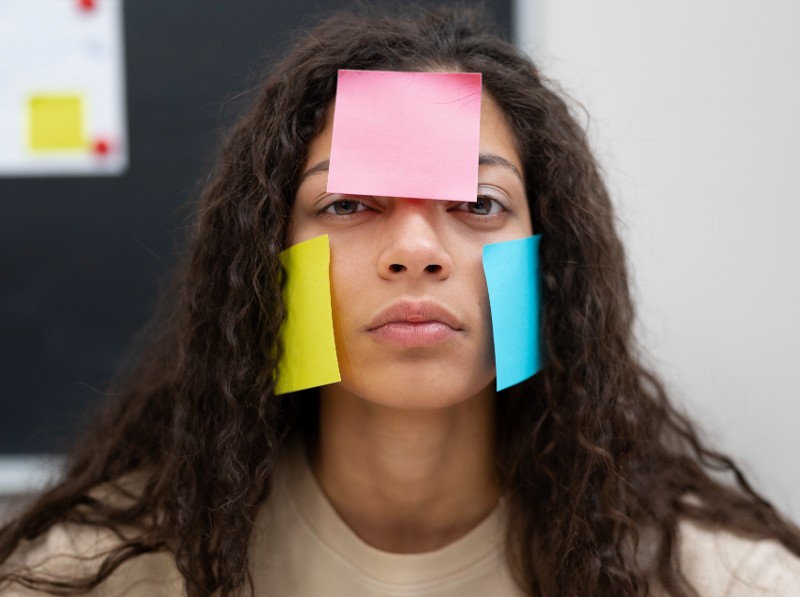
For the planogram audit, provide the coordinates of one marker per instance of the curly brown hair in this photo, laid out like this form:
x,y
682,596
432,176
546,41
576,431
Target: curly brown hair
x,y
594,459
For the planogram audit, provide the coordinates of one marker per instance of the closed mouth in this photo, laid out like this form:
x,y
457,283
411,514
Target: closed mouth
x,y
413,314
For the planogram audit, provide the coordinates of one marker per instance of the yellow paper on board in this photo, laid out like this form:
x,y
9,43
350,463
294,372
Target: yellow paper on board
x,y
56,122
309,351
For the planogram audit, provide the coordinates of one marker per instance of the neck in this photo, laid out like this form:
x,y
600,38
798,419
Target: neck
x,y
407,481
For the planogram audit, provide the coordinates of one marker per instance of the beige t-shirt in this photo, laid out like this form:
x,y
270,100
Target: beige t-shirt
x,y
300,546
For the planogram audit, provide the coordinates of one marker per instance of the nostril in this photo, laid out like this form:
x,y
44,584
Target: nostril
x,y
396,268
433,268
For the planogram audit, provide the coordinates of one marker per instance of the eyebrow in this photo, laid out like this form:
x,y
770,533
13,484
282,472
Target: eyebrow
x,y
491,159
484,159
322,166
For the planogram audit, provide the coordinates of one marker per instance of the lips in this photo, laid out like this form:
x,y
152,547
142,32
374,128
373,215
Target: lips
x,y
414,324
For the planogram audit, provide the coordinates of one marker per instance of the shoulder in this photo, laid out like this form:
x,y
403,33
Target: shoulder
x,y
719,563
68,551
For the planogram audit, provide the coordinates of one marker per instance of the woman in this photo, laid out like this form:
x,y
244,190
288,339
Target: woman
x,y
401,478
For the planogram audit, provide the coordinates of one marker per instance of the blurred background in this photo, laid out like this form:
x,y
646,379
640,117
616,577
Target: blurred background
x,y
691,108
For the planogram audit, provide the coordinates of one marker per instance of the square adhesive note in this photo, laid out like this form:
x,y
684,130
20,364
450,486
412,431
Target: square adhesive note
x,y
309,351
406,134
514,282
56,122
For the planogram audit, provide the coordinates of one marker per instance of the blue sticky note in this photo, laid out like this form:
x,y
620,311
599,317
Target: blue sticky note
x,y
512,276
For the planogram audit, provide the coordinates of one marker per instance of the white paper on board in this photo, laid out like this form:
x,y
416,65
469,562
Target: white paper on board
x,y
62,88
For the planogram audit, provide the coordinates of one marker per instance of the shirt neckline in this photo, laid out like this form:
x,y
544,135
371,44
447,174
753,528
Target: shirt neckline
x,y
484,542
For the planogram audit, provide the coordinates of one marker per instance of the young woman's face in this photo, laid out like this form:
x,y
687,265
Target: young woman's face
x,y
410,305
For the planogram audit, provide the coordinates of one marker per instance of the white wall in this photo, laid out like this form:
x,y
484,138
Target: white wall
x,y
694,110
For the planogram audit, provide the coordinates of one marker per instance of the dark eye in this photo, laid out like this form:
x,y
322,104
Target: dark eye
x,y
484,206
344,207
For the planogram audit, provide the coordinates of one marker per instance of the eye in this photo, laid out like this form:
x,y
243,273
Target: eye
x,y
484,206
343,207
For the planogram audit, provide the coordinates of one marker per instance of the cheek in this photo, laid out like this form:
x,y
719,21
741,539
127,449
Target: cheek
x,y
481,295
469,285
350,276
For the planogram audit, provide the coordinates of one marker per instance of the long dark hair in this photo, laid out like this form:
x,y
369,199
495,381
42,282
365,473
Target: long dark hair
x,y
593,457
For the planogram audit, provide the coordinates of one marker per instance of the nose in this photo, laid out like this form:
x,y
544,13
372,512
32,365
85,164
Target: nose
x,y
413,245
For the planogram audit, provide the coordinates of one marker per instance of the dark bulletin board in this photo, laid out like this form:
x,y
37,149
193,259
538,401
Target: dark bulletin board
x,y
82,259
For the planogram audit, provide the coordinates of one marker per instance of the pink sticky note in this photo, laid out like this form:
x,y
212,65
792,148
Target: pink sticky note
x,y
400,134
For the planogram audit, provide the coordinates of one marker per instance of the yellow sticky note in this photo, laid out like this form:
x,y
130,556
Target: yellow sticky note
x,y
309,351
56,122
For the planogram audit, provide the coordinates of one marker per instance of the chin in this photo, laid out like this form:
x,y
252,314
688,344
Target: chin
x,y
419,390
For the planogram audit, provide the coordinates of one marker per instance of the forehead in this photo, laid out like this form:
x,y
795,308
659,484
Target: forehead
x,y
496,136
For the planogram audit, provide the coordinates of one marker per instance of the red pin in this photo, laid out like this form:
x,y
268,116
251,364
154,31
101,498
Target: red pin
x,y
101,147
87,4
